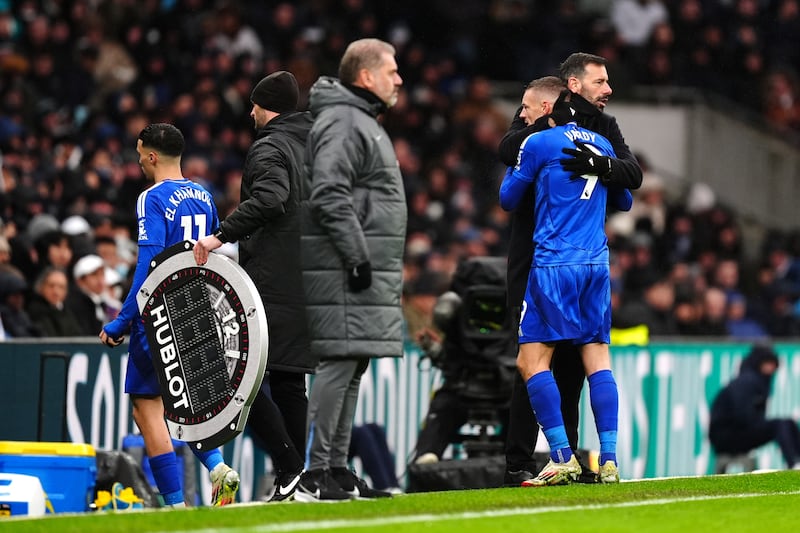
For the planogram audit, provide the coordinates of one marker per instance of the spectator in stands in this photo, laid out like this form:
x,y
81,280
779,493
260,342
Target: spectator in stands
x,y
781,39
726,276
234,37
46,307
781,97
737,323
53,249
5,251
80,235
714,313
88,298
687,314
15,320
634,21
643,268
653,308
739,420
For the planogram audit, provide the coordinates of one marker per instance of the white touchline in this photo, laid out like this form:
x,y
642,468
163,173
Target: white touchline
x,y
388,521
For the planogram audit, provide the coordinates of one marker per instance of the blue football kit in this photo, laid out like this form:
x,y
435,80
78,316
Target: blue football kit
x,y
568,294
168,212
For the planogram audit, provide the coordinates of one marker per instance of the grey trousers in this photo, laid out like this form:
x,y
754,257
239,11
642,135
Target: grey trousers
x,y
331,408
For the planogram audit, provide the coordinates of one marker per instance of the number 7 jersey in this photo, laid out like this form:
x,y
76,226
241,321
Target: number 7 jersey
x,y
173,211
569,214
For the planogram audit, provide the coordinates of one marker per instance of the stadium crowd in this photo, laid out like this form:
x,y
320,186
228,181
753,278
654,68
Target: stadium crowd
x,y
79,79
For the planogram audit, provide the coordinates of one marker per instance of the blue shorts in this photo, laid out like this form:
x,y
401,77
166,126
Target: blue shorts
x,y
141,377
571,302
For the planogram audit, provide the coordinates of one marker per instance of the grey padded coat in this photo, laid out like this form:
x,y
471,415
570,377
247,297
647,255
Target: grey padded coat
x,y
354,210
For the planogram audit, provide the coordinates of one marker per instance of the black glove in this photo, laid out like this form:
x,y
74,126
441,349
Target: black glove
x,y
585,161
562,112
360,277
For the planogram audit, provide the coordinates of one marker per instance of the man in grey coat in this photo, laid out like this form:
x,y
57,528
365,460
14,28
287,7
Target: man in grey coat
x,y
353,235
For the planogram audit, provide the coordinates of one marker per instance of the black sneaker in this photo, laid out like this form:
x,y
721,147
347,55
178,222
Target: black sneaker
x,y
355,486
514,478
319,486
285,486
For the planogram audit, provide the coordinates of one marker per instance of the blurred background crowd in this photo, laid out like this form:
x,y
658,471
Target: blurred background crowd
x,y
80,78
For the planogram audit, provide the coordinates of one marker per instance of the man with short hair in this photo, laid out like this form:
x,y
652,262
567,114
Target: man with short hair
x,y
354,217
171,211
568,293
586,77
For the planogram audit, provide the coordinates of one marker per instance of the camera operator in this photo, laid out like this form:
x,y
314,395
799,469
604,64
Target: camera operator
x,y
469,344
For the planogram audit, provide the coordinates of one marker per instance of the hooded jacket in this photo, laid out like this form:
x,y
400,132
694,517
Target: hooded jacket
x,y
354,211
742,403
267,225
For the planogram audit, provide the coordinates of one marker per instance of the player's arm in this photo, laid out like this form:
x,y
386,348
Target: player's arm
x,y
116,329
512,190
620,198
268,195
151,242
520,177
509,146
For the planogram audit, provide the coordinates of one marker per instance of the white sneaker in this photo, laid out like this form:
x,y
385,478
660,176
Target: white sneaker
x,y
427,459
556,474
224,485
609,473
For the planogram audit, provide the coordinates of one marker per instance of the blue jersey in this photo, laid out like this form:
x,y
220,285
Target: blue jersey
x,y
169,212
173,211
569,214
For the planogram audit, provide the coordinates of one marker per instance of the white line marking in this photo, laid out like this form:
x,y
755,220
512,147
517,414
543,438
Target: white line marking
x,y
470,515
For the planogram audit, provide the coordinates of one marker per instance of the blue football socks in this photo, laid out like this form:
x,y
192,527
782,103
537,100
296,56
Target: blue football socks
x,y
604,398
546,403
210,458
165,474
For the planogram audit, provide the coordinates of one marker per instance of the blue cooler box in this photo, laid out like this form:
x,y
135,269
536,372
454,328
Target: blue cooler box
x,y
68,471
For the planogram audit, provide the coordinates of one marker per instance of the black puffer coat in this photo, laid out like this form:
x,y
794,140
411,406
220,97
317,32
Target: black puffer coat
x,y
267,225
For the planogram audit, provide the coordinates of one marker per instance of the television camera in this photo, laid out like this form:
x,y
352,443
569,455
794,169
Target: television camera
x,y
477,358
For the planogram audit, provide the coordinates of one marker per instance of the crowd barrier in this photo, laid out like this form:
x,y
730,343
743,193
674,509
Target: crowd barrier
x,y
71,390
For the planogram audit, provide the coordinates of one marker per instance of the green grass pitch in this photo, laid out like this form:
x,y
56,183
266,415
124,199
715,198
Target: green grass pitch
x,y
758,502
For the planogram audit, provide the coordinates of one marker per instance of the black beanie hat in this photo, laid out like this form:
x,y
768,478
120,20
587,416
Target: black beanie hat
x,y
277,92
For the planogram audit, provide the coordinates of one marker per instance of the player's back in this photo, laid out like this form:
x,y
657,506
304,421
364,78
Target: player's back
x,y
175,210
569,213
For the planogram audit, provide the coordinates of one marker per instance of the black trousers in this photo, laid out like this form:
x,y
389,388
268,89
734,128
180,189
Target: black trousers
x,y
288,391
783,431
448,411
446,414
523,429
278,419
